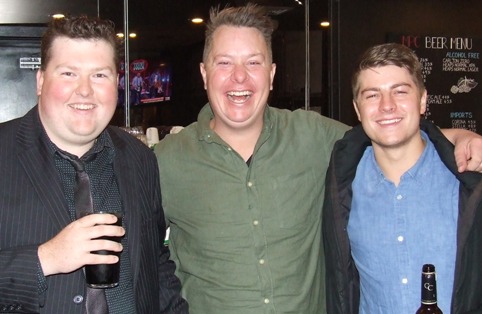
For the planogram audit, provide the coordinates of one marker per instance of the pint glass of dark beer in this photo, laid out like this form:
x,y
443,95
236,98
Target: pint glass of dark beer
x,y
105,275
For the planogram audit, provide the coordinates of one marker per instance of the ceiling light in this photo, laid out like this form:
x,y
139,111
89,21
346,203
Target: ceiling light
x,y
325,24
58,16
197,20
131,35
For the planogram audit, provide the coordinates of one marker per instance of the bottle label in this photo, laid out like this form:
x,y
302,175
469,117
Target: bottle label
x,y
429,288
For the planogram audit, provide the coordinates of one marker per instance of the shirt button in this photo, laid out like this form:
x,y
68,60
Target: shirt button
x,y
78,299
255,222
399,197
400,239
404,281
261,261
230,149
250,184
266,301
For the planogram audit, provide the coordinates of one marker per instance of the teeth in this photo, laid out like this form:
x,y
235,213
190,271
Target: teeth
x,y
240,93
239,97
390,121
82,106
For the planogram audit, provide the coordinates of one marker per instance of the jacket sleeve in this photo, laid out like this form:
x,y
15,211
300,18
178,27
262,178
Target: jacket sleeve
x,y
157,288
334,299
22,216
342,279
170,286
19,280
170,297
477,311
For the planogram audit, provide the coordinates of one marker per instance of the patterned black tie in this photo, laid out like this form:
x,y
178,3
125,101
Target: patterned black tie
x,y
95,300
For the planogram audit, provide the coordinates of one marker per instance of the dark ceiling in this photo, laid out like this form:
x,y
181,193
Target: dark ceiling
x,y
160,24
165,24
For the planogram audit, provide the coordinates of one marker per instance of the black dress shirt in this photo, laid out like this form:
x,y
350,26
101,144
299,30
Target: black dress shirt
x,y
106,197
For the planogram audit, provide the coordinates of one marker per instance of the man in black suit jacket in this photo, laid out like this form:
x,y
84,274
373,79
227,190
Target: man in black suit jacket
x,y
43,248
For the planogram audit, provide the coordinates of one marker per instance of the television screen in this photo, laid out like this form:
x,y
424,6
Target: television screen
x,y
150,82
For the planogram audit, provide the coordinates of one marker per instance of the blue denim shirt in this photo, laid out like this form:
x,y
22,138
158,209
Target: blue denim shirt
x,y
394,230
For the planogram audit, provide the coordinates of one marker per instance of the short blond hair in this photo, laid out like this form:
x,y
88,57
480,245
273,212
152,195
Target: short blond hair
x,y
250,15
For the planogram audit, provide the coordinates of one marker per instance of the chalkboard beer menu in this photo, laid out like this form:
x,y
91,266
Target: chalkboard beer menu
x,y
451,69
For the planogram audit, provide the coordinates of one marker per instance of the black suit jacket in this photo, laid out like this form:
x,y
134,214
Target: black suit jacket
x,y
33,210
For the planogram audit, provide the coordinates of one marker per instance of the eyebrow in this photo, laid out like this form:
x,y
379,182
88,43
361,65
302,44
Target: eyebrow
x,y
76,68
376,89
225,55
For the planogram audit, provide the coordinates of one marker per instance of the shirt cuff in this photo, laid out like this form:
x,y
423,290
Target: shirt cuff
x,y
41,280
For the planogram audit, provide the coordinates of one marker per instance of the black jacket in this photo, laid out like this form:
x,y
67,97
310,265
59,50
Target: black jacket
x,y
33,210
342,279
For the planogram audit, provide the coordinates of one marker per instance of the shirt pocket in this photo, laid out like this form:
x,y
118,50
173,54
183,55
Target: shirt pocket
x,y
298,199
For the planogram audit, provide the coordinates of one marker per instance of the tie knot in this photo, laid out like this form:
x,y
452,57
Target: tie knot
x,y
78,164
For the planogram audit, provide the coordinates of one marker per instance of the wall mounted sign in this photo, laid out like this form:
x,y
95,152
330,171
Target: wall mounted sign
x,y
451,68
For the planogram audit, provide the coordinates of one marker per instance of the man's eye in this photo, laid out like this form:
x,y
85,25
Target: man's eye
x,y
68,74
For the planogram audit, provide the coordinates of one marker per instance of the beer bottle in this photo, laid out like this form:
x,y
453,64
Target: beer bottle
x,y
429,291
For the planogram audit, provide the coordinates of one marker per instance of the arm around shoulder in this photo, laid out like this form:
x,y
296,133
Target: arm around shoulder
x,y
468,149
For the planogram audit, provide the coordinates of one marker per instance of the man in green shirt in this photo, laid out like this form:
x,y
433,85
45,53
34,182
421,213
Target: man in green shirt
x,y
243,187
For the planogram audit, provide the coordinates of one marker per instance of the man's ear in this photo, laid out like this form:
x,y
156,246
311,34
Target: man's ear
x,y
355,105
272,73
40,81
202,69
423,102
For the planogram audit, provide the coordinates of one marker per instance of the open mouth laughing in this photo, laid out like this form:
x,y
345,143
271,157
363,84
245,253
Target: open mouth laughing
x,y
239,96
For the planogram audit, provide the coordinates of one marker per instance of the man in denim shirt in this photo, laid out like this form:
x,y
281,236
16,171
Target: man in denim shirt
x,y
395,200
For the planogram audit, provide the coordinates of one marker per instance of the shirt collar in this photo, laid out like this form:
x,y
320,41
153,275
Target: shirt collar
x,y
205,133
417,172
420,170
103,141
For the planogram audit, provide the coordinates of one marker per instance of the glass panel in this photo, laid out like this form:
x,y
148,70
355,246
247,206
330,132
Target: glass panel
x,y
167,41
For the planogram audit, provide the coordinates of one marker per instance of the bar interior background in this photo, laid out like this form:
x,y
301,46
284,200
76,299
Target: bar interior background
x,y
314,64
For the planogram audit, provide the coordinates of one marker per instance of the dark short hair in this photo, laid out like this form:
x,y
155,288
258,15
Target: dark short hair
x,y
250,15
81,27
389,54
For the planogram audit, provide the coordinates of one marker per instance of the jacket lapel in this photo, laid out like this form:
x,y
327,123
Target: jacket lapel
x,y
39,167
126,179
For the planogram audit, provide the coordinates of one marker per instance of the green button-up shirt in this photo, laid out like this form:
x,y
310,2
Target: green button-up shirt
x,y
247,239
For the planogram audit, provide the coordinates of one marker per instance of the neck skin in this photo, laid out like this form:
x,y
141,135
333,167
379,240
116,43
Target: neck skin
x,y
242,141
395,161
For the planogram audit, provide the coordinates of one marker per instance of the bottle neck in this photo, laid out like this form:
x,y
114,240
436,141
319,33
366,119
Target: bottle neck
x,y
429,288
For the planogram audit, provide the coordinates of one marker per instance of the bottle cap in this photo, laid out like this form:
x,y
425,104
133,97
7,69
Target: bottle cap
x,y
428,268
